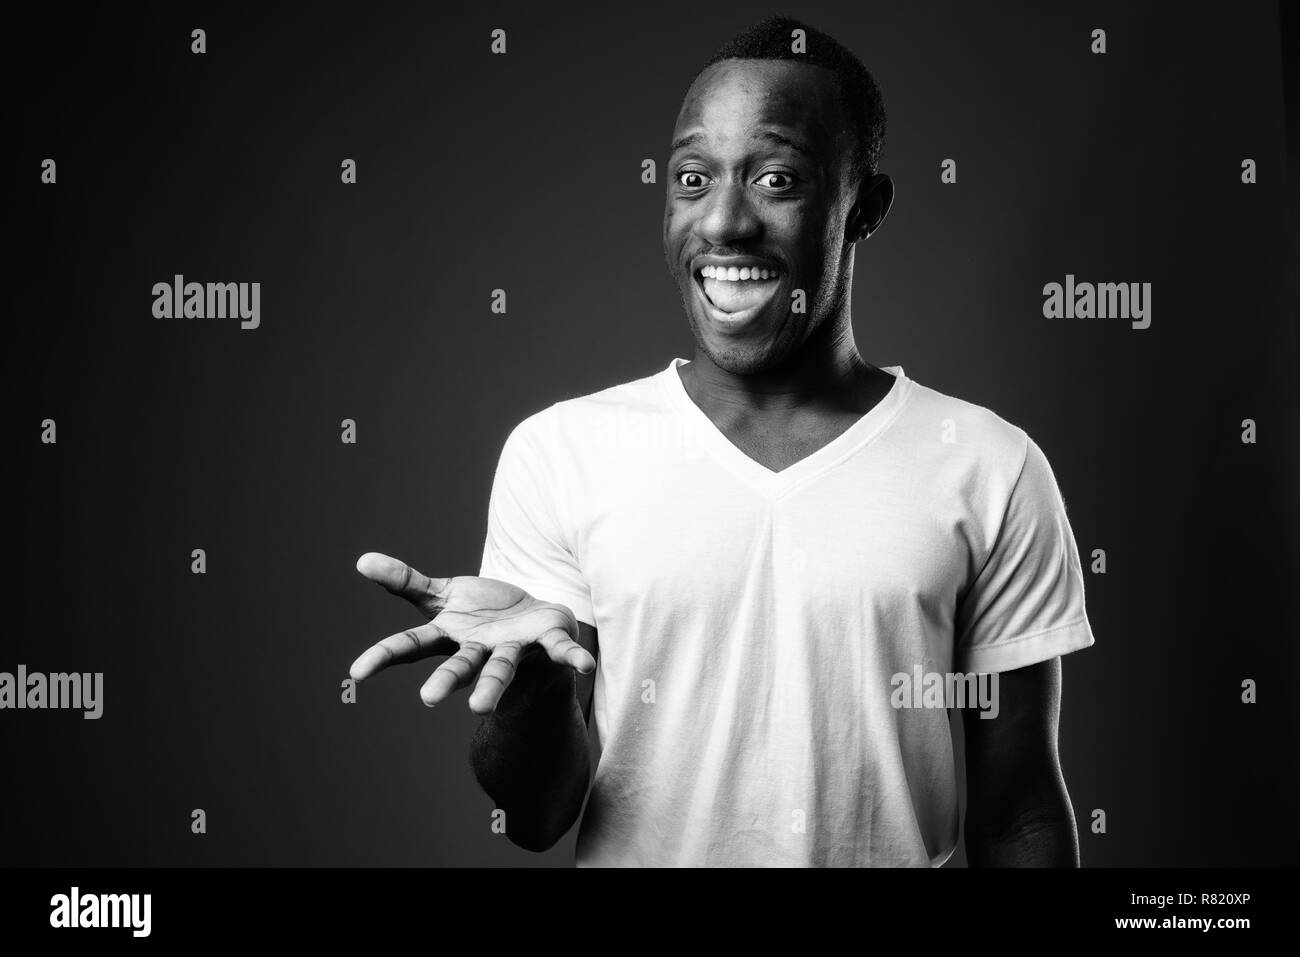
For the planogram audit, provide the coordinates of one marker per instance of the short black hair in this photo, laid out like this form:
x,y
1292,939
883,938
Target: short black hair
x,y
771,39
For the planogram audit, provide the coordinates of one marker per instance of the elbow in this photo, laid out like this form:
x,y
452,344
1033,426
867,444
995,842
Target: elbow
x,y
541,832
539,841
535,819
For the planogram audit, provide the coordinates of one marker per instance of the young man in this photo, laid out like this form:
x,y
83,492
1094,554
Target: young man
x,y
760,541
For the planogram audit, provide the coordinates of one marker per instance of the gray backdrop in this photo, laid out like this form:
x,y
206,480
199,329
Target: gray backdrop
x,y
522,172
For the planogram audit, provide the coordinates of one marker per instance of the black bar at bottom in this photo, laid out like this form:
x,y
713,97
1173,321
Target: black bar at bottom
x,y
433,908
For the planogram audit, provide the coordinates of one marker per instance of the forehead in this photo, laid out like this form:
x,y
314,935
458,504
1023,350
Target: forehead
x,y
731,98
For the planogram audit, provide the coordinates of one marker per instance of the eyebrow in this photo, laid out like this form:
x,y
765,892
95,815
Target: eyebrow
x,y
771,136
781,140
684,141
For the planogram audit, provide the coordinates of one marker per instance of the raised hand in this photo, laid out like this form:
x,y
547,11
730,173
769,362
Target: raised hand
x,y
485,626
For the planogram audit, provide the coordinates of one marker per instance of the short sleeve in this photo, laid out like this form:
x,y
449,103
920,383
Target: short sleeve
x,y
526,544
1027,604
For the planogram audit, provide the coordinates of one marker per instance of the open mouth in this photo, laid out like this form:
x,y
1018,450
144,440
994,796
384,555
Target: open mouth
x,y
737,293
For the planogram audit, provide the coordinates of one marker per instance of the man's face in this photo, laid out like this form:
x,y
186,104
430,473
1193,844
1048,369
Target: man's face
x,y
756,208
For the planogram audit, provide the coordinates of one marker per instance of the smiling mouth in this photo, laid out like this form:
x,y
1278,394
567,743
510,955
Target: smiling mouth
x,y
737,293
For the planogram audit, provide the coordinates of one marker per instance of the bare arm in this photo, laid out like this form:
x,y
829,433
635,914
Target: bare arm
x,y
1018,810
531,754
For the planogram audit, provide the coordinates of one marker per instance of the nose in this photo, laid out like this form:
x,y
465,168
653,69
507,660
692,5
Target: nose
x,y
728,217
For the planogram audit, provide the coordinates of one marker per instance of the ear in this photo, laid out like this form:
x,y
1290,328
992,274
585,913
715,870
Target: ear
x,y
875,196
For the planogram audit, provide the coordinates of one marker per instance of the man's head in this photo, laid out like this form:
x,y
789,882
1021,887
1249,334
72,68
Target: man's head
x,y
773,175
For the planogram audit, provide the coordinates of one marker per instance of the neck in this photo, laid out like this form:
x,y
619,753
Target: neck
x,y
826,369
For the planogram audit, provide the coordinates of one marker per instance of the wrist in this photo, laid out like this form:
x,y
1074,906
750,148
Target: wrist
x,y
537,678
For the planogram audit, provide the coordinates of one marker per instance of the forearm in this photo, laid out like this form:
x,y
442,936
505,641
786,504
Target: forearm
x,y
1038,831
530,755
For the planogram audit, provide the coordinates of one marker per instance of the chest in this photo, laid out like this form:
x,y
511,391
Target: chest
x,y
778,443
857,542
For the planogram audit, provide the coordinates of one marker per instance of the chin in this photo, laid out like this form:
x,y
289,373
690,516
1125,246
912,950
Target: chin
x,y
741,349
740,358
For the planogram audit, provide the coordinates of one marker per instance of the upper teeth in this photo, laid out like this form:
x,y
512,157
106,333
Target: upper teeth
x,y
732,274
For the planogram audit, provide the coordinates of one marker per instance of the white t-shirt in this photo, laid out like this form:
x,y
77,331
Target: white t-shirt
x,y
751,622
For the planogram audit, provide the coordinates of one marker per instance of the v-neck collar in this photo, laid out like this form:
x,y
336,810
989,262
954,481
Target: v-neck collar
x,y
775,484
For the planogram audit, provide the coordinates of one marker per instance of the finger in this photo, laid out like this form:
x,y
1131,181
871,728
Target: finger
x,y
413,644
563,650
401,579
496,677
454,673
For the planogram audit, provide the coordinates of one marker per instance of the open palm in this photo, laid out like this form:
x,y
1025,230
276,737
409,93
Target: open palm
x,y
483,624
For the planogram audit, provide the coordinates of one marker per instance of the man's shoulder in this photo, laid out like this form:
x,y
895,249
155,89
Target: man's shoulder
x,y
581,417
644,392
950,426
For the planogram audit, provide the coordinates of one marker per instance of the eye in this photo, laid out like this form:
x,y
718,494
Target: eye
x,y
692,179
776,180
